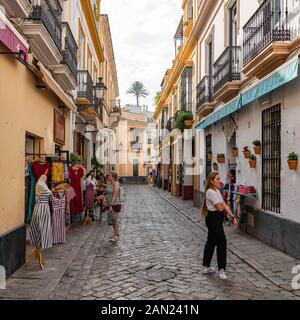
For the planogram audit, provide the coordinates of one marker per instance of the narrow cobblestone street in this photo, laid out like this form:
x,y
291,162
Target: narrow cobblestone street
x,y
157,239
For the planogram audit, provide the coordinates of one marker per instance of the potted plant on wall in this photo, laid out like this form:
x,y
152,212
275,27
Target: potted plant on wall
x,y
184,120
209,154
252,161
215,167
221,158
293,161
257,146
246,152
235,152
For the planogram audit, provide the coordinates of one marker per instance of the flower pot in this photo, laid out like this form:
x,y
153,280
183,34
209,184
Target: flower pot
x,y
257,150
247,154
209,156
293,164
252,164
221,160
188,123
235,153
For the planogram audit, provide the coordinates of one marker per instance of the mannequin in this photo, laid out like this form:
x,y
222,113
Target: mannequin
x,y
40,227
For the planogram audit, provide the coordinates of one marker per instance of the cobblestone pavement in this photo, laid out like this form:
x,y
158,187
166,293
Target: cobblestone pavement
x,y
158,239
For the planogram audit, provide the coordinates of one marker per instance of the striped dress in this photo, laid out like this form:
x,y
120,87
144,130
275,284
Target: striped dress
x,y
58,219
40,227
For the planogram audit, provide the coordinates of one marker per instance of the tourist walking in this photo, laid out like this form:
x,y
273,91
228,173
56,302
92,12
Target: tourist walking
x,y
214,210
113,202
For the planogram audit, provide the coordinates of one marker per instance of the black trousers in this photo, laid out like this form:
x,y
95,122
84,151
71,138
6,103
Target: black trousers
x,y
216,238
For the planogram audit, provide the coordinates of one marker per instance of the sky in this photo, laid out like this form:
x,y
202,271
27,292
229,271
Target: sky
x,y
142,34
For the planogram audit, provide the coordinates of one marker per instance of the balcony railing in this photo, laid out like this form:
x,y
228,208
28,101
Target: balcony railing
x,y
49,12
268,24
171,124
70,49
85,86
204,91
228,67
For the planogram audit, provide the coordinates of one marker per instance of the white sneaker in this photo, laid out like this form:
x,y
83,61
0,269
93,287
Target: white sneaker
x,y
222,274
114,239
208,270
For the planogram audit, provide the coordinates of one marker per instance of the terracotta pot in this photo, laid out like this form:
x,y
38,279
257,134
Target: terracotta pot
x,y
221,160
293,164
252,163
189,123
235,153
209,156
247,154
257,150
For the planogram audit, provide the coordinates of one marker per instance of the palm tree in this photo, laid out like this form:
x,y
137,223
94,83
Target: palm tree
x,y
138,89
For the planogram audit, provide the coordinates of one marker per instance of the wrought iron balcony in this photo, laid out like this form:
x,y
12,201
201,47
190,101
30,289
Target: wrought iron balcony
x,y
204,91
171,124
69,49
268,24
228,67
85,86
49,12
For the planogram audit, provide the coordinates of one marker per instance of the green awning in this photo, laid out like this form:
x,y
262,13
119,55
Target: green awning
x,y
278,78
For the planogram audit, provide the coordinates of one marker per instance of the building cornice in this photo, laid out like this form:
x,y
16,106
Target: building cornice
x,y
94,32
189,46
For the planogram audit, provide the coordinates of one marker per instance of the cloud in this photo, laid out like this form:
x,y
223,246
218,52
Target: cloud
x,y
142,33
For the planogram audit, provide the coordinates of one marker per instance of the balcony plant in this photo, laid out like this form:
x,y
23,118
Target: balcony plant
x,y
209,154
184,119
252,161
95,163
246,152
235,152
257,146
215,167
221,158
75,158
293,161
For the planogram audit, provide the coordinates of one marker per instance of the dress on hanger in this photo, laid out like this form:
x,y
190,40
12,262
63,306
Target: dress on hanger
x,y
40,227
31,197
58,172
58,218
40,169
90,192
76,204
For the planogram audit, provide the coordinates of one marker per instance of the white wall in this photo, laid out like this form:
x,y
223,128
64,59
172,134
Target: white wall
x,y
249,128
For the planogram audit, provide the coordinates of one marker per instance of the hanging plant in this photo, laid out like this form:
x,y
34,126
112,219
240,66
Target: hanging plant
x,y
182,117
235,152
94,162
221,157
76,158
246,152
215,167
252,161
209,154
293,161
257,146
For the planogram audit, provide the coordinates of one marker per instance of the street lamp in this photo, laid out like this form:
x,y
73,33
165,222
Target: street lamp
x,y
99,90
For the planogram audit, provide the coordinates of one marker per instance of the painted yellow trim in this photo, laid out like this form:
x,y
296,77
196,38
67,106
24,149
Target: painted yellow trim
x,y
89,17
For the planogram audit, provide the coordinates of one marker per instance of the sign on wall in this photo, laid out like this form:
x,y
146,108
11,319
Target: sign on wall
x,y
59,128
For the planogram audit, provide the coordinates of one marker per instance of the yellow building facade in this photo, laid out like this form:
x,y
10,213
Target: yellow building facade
x,y
48,102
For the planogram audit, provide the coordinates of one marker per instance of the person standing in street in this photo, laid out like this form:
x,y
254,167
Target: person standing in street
x,y
214,210
113,202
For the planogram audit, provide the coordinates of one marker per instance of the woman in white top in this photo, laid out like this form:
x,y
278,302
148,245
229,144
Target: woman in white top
x,y
214,210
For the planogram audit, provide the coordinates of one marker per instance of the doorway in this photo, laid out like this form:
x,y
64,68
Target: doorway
x,y
135,168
